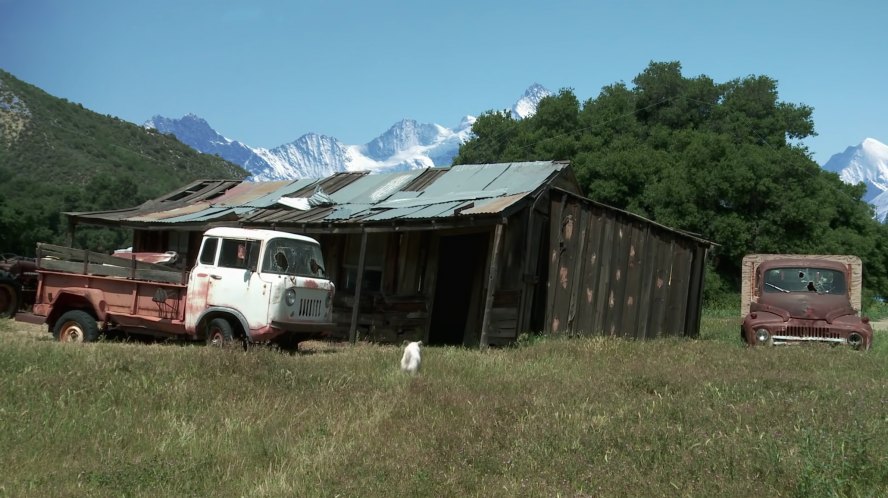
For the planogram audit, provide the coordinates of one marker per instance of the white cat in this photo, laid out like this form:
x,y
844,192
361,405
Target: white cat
x,y
411,359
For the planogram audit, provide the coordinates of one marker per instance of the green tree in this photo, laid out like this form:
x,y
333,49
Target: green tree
x,y
719,159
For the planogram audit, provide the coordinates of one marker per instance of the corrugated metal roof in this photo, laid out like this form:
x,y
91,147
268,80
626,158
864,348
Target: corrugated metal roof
x,y
249,192
272,198
171,205
373,188
358,197
494,205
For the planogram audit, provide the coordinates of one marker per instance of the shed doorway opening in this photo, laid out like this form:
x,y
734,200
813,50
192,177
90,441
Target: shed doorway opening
x,y
457,307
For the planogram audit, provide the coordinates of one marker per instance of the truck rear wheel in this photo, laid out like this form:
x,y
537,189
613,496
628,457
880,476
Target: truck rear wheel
x,y
219,332
76,326
10,295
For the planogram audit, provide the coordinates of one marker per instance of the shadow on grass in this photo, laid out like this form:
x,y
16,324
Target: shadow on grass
x,y
309,347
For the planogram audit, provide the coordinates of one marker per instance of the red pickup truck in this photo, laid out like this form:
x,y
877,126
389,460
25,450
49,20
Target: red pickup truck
x,y
250,285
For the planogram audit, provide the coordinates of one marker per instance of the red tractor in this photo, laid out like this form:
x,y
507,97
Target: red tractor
x,y
18,284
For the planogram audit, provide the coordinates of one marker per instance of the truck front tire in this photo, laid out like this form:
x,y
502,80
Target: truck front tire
x,y
76,326
219,332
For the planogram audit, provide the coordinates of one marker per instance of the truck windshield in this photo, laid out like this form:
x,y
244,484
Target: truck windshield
x,y
293,257
796,279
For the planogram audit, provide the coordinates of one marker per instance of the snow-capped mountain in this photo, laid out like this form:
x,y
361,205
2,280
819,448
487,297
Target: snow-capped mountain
x,y
309,156
866,162
196,132
407,145
527,104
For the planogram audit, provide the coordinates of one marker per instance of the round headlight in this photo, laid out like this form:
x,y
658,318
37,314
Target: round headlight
x,y
290,297
855,340
762,335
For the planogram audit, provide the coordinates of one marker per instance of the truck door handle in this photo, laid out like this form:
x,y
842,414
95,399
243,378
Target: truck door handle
x,y
216,277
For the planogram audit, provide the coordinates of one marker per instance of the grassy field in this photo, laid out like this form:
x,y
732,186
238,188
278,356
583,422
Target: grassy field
x,y
583,417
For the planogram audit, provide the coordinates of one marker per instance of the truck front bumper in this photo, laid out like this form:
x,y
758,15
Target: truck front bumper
x,y
307,330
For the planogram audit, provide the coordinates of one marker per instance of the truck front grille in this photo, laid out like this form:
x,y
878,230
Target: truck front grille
x,y
310,308
796,334
812,332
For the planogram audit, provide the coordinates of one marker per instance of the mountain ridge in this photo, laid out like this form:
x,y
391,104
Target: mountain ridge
x,y
407,144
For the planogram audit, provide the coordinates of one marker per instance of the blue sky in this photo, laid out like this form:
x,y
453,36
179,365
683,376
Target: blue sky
x,y
266,72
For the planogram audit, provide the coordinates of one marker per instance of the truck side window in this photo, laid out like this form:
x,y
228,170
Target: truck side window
x,y
237,253
208,252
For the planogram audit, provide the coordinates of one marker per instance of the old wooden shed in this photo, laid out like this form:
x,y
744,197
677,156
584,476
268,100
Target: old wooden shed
x,y
467,255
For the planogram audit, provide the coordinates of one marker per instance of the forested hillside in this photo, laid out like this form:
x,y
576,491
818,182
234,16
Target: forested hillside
x,y
56,156
723,160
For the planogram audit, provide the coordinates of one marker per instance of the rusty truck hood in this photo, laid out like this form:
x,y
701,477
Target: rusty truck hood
x,y
812,306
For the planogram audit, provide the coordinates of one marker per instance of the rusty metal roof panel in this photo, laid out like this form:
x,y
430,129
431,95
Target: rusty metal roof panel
x,y
198,190
232,204
272,197
169,213
493,205
210,214
247,192
178,202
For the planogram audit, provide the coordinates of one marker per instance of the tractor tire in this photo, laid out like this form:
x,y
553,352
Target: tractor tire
x,y
10,295
76,326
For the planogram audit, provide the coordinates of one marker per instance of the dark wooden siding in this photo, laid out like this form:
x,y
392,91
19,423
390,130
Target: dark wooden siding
x,y
611,273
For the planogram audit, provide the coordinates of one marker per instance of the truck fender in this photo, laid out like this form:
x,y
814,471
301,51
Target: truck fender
x,y
89,300
228,313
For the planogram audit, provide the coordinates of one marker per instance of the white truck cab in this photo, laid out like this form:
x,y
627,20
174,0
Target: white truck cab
x,y
264,284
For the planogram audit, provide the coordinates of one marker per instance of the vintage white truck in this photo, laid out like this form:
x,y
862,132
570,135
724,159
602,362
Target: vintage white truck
x,y
247,284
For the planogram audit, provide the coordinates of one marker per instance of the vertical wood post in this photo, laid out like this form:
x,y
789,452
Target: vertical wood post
x,y
353,330
72,228
491,283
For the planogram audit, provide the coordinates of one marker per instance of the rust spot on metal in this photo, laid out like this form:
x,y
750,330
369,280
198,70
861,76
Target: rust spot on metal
x,y
562,275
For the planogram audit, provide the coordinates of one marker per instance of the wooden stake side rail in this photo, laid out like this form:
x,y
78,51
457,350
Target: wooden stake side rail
x,y
66,259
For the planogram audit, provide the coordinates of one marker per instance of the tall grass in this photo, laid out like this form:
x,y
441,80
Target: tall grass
x,y
555,417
